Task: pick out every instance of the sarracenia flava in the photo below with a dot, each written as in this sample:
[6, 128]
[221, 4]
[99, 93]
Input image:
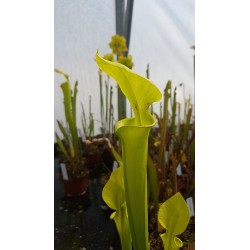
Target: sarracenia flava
[129, 195]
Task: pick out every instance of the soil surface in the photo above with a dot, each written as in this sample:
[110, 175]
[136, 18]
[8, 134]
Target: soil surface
[83, 223]
[80, 223]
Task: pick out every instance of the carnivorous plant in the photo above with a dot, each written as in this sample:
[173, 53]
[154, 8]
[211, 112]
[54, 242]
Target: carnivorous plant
[126, 190]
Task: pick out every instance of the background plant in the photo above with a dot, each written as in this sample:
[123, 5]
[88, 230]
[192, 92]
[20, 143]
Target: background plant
[106, 104]
[174, 142]
[88, 125]
[171, 160]
[141, 93]
[70, 145]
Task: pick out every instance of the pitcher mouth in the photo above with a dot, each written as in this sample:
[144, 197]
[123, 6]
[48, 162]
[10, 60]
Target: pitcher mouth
[130, 122]
[178, 242]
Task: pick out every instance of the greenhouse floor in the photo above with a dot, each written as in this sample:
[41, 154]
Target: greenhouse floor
[80, 223]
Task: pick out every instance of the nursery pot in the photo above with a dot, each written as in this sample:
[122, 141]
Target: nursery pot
[75, 187]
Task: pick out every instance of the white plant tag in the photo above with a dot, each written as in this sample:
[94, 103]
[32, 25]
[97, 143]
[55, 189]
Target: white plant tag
[64, 171]
[190, 206]
[190, 133]
[115, 165]
[166, 156]
[178, 170]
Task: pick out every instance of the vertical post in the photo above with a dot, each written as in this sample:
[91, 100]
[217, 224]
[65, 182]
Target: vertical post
[119, 15]
[119, 7]
[128, 21]
[123, 28]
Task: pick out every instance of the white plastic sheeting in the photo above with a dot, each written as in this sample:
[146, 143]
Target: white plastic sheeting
[161, 35]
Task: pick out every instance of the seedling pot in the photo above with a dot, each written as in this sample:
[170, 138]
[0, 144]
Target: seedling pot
[75, 187]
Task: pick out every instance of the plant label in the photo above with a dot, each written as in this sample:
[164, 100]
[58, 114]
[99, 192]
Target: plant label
[166, 156]
[178, 170]
[190, 206]
[190, 133]
[64, 171]
[115, 165]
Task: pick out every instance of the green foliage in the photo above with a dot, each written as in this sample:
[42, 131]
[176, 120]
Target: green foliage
[153, 182]
[141, 93]
[106, 106]
[88, 125]
[114, 195]
[70, 146]
[176, 137]
[174, 217]
[163, 129]
[127, 187]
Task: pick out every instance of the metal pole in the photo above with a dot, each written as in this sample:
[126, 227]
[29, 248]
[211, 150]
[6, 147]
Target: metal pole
[128, 21]
[119, 7]
[123, 28]
[119, 15]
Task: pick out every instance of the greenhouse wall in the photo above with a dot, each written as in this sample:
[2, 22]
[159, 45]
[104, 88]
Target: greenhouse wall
[162, 35]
